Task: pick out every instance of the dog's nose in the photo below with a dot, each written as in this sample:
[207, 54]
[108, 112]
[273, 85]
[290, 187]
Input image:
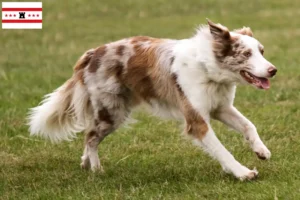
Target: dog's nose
[272, 71]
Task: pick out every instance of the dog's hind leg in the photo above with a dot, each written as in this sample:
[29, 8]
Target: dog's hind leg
[85, 158]
[109, 114]
[93, 138]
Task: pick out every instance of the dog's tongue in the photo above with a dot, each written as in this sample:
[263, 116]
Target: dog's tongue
[264, 83]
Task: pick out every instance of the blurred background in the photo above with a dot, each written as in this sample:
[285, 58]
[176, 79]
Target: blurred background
[151, 160]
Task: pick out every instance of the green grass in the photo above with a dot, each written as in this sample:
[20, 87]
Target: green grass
[151, 160]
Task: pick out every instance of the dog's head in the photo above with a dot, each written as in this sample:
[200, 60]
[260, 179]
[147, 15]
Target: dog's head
[242, 55]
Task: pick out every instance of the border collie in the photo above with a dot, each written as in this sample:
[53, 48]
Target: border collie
[191, 79]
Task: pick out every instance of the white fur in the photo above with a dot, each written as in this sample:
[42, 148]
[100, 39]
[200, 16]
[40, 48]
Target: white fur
[61, 114]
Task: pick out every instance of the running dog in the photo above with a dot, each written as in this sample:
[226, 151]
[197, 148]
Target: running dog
[192, 79]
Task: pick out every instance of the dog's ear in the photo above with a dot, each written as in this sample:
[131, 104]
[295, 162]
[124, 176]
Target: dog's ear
[222, 44]
[218, 31]
[244, 31]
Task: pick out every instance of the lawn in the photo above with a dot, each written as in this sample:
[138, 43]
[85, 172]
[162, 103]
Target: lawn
[150, 160]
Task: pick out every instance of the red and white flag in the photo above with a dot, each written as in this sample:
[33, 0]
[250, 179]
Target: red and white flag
[22, 15]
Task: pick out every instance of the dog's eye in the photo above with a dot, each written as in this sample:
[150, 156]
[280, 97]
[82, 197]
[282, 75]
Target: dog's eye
[262, 51]
[247, 54]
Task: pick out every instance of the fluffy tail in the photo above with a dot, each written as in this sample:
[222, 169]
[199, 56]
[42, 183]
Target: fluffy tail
[67, 110]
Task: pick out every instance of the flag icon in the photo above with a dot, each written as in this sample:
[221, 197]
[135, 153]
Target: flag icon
[22, 15]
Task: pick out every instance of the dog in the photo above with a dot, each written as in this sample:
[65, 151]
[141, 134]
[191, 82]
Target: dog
[190, 79]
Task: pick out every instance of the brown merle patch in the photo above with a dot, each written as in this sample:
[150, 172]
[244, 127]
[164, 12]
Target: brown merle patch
[92, 134]
[104, 116]
[236, 45]
[140, 39]
[224, 48]
[120, 50]
[96, 59]
[116, 69]
[141, 71]
[195, 124]
[77, 77]
[139, 80]
[240, 54]
[83, 62]
[119, 69]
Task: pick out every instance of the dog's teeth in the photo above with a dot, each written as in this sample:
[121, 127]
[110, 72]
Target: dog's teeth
[248, 75]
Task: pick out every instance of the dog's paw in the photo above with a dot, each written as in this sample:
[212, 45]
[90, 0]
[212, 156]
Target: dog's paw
[85, 162]
[241, 172]
[250, 175]
[97, 168]
[262, 151]
[246, 174]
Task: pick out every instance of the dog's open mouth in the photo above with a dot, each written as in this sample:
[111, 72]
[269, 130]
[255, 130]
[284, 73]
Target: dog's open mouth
[259, 82]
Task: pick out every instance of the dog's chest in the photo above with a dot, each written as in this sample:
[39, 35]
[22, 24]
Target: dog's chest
[218, 95]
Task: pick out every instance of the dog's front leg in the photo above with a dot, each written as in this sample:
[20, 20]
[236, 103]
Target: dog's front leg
[199, 129]
[234, 119]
